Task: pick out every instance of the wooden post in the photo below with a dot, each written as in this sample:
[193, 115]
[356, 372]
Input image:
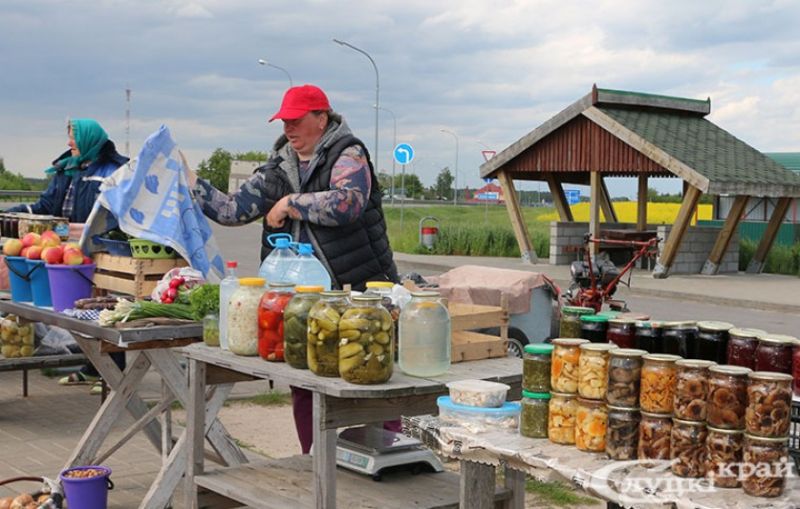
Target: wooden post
[641, 204]
[514, 481]
[477, 485]
[517, 219]
[559, 199]
[673, 243]
[606, 204]
[594, 210]
[711, 266]
[756, 265]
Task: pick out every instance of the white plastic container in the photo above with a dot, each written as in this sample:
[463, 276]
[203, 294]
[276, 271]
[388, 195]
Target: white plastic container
[478, 393]
[479, 419]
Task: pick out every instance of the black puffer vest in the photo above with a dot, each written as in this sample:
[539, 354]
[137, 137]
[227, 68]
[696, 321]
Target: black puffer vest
[353, 253]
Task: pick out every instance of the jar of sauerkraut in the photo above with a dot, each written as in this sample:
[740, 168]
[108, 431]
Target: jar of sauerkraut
[243, 316]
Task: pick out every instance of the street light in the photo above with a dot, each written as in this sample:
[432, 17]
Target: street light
[377, 92]
[455, 177]
[394, 163]
[269, 64]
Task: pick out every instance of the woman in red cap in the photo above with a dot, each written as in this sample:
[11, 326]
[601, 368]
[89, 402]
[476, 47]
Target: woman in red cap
[318, 185]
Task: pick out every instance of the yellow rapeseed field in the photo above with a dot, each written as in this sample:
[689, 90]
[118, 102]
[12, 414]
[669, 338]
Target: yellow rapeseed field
[657, 213]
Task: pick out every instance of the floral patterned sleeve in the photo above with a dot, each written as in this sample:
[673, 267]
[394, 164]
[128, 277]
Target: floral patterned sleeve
[244, 206]
[351, 183]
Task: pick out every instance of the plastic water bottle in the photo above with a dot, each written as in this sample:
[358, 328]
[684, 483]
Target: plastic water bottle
[307, 270]
[227, 286]
[274, 266]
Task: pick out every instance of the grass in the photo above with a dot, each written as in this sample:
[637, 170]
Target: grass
[267, 399]
[556, 493]
[780, 259]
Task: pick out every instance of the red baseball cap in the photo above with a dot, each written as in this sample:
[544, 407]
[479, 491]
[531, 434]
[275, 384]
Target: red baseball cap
[297, 101]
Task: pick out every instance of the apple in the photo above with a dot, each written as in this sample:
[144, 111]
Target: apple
[50, 238]
[52, 254]
[31, 239]
[73, 245]
[87, 260]
[24, 252]
[72, 256]
[12, 247]
[34, 253]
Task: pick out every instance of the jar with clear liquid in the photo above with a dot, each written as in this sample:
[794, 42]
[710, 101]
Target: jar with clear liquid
[424, 336]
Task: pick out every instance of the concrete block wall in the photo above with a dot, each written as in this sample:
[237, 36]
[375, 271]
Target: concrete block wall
[565, 236]
[695, 248]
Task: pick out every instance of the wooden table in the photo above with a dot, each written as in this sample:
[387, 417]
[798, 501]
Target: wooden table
[336, 404]
[151, 347]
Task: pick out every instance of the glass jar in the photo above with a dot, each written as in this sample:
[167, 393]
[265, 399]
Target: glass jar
[648, 337]
[622, 437]
[691, 389]
[17, 338]
[534, 422]
[687, 446]
[624, 376]
[680, 338]
[622, 332]
[658, 383]
[727, 396]
[424, 332]
[593, 370]
[796, 370]
[243, 316]
[564, 369]
[594, 328]
[384, 290]
[536, 367]
[742, 344]
[712, 341]
[323, 332]
[295, 325]
[366, 342]
[270, 320]
[724, 454]
[774, 353]
[570, 326]
[211, 329]
[769, 402]
[654, 436]
[766, 465]
[561, 418]
[591, 424]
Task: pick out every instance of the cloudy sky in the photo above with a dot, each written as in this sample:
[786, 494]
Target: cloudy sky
[488, 71]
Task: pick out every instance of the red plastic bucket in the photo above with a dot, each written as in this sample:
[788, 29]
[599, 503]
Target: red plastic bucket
[87, 492]
[69, 283]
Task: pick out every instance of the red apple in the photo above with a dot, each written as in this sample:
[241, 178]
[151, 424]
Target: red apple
[34, 253]
[87, 260]
[52, 254]
[31, 239]
[50, 238]
[24, 252]
[72, 256]
[12, 247]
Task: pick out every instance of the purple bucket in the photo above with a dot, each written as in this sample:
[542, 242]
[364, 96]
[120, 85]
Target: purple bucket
[69, 283]
[19, 279]
[40, 283]
[87, 492]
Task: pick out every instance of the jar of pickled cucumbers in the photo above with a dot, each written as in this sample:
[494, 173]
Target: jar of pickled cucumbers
[366, 342]
[323, 332]
[295, 325]
[561, 418]
[270, 320]
[591, 424]
[243, 316]
[564, 366]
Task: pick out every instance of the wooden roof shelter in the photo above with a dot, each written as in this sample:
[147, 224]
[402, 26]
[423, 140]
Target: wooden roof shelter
[612, 133]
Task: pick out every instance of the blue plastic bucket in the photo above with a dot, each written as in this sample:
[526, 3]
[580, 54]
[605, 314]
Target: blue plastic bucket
[19, 279]
[40, 283]
[86, 492]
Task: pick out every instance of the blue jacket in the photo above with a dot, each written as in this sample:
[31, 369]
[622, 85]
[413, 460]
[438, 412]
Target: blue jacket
[88, 182]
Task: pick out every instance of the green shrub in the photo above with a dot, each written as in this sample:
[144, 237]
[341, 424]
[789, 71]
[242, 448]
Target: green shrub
[780, 259]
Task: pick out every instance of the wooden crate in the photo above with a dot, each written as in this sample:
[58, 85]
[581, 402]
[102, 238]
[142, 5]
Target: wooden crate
[467, 345]
[473, 346]
[131, 276]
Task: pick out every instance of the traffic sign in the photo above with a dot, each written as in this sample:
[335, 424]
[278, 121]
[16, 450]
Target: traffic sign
[573, 196]
[488, 154]
[488, 180]
[403, 153]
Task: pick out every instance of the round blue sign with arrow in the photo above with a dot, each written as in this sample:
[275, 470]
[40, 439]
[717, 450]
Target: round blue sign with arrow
[403, 153]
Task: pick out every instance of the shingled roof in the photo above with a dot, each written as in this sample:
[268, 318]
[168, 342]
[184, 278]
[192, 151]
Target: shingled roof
[671, 131]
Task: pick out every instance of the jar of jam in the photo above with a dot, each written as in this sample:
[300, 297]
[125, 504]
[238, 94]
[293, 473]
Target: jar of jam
[727, 396]
[654, 436]
[593, 370]
[742, 345]
[766, 462]
[564, 368]
[622, 436]
[323, 332]
[366, 342]
[712, 341]
[658, 383]
[687, 447]
[774, 353]
[536, 367]
[769, 402]
[570, 326]
[591, 423]
[594, 328]
[691, 390]
[624, 376]
[561, 418]
[270, 320]
[724, 455]
[622, 332]
[533, 423]
[648, 336]
[679, 338]
[295, 325]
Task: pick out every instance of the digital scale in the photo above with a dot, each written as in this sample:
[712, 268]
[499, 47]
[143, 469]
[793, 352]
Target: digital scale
[371, 450]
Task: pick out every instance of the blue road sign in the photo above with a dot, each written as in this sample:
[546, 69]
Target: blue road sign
[488, 180]
[403, 153]
[573, 196]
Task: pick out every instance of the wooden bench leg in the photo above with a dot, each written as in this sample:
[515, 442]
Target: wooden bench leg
[477, 485]
[515, 482]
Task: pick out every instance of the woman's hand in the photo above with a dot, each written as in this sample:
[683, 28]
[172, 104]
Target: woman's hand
[279, 212]
[191, 176]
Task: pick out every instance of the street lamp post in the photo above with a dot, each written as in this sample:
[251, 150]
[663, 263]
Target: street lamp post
[270, 64]
[455, 177]
[394, 144]
[377, 93]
